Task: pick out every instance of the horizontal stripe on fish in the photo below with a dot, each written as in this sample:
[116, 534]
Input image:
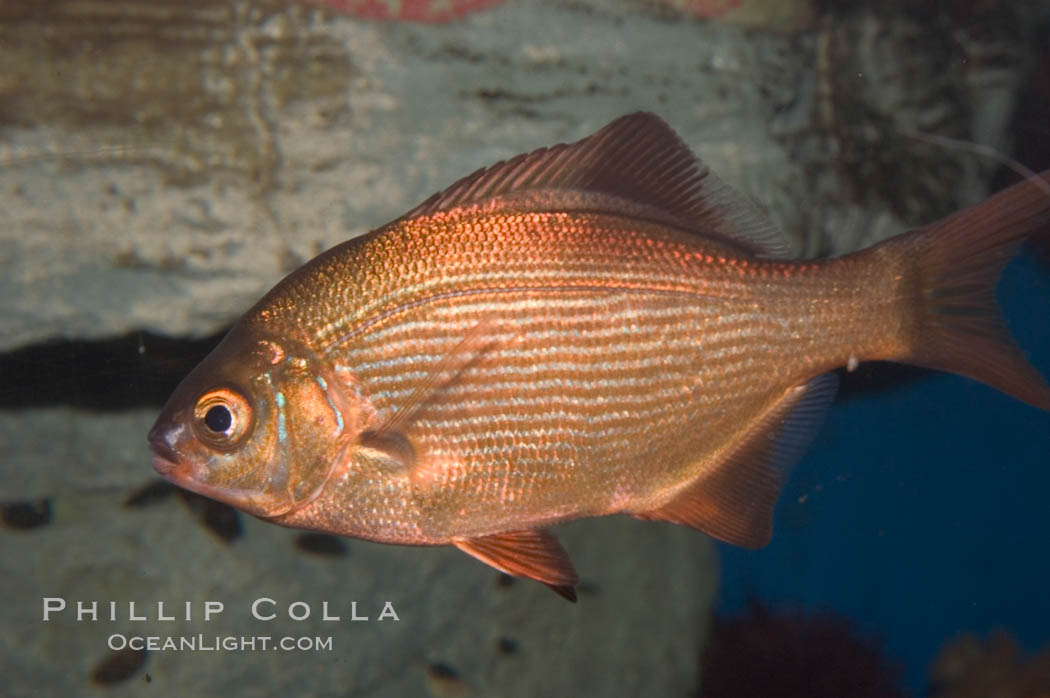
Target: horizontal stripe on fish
[607, 265]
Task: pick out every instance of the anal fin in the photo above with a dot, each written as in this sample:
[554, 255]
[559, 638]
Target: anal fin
[734, 501]
[535, 554]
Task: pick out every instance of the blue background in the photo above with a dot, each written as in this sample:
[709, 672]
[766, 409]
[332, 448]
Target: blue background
[920, 512]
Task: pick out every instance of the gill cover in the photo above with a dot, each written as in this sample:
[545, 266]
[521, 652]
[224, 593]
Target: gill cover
[261, 424]
[310, 427]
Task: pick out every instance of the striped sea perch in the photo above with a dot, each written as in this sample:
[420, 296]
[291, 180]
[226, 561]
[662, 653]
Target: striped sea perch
[589, 329]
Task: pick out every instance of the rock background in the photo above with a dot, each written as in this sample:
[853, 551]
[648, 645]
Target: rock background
[166, 163]
[163, 163]
[638, 624]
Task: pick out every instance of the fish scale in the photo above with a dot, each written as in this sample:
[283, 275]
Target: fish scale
[577, 278]
[595, 328]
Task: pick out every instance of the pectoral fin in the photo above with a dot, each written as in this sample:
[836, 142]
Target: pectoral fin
[474, 344]
[391, 439]
[734, 501]
[535, 554]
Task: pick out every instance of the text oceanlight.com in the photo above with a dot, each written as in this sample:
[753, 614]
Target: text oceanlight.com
[216, 643]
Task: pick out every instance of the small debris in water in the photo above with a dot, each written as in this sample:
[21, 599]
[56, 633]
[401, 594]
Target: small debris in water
[119, 666]
[321, 544]
[507, 645]
[27, 515]
[152, 492]
[442, 681]
[220, 519]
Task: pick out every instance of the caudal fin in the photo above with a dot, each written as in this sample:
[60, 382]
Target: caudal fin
[960, 259]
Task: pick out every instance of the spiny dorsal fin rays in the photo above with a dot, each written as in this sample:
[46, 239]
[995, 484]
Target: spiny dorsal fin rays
[734, 501]
[636, 166]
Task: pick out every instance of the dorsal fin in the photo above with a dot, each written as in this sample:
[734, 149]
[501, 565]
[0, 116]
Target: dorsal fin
[636, 166]
[734, 502]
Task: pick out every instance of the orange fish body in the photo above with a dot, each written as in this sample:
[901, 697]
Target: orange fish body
[590, 329]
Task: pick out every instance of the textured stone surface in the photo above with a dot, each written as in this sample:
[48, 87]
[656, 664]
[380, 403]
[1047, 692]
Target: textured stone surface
[175, 159]
[62, 451]
[638, 626]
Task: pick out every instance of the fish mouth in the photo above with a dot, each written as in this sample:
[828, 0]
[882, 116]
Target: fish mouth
[163, 466]
[183, 473]
[165, 459]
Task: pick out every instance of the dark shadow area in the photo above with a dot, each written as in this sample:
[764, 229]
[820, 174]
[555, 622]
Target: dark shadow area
[778, 653]
[141, 370]
[135, 370]
[1029, 131]
[1029, 125]
[877, 377]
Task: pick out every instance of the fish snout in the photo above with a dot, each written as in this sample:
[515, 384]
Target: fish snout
[161, 442]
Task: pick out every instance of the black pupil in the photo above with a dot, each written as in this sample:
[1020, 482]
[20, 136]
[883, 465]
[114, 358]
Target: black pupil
[218, 418]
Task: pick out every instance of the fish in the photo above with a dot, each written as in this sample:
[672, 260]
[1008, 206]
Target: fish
[595, 328]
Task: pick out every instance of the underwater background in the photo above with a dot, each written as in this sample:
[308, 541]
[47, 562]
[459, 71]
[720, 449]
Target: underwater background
[162, 164]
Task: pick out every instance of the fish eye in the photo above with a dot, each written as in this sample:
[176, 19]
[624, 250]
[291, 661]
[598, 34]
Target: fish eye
[222, 418]
[218, 418]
